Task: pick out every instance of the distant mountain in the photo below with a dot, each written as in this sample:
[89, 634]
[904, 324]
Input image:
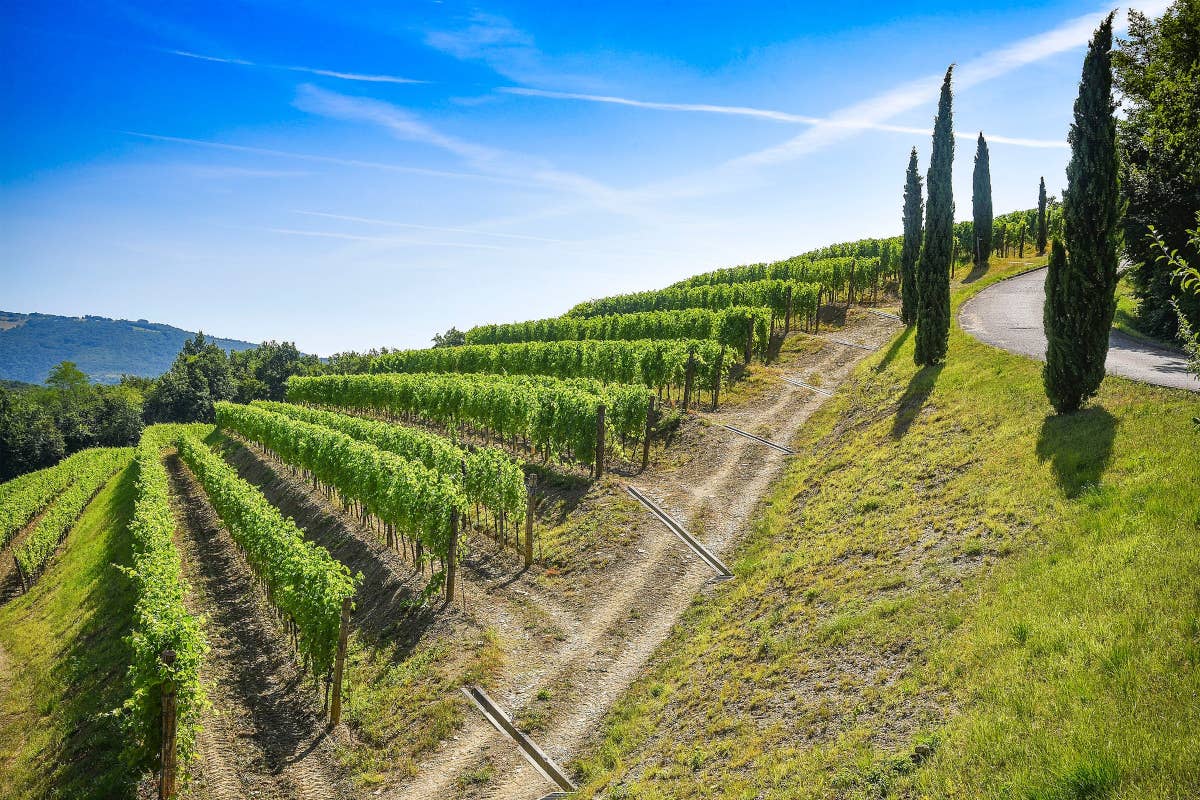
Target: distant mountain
[30, 344]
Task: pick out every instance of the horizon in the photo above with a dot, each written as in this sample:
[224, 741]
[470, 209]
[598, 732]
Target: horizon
[361, 179]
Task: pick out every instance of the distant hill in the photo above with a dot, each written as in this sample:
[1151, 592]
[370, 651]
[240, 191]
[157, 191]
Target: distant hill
[30, 344]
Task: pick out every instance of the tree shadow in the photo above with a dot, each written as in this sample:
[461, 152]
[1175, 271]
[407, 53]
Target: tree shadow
[1078, 447]
[914, 397]
[976, 273]
[894, 349]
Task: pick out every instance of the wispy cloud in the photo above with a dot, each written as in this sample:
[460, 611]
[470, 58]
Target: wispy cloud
[764, 113]
[322, 159]
[438, 228]
[399, 122]
[875, 111]
[328, 73]
[507, 50]
[384, 240]
[518, 167]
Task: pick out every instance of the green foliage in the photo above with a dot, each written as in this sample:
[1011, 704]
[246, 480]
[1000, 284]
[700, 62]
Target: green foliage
[199, 377]
[302, 579]
[933, 272]
[261, 373]
[716, 295]
[1082, 279]
[1157, 71]
[981, 202]
[1041, 217]
[406, 494]
[910, 253]
[451, 338]
[161, 621]
[488, 476]
[690, 323]
[556, 416]
[87, 478]
[855, 271]
[24, 497]
[656, 363]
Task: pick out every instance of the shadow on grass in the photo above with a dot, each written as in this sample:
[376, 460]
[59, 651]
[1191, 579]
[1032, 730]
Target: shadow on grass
[890, 355]
[1078, 447]
[914, 397]
[975, 274]
[92, 665]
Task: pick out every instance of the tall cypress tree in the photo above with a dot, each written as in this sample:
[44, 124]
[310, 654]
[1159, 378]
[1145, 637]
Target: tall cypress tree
[910, 252]
[981, 202]
[933, 272]
[1081, 282]
[1041, 218]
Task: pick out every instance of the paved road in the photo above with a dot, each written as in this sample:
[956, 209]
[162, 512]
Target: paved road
[1008, 315]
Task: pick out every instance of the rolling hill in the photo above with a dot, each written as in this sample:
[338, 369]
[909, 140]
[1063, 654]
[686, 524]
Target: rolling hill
[106, 349]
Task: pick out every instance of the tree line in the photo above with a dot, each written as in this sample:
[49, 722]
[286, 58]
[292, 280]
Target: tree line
[1121, 195]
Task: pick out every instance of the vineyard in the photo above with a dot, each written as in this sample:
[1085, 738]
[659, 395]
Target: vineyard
[418, 454]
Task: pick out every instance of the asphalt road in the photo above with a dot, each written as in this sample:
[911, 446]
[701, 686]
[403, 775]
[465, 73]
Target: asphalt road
[1008, 315]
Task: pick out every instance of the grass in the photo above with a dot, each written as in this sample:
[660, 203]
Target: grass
[1126, 317]
[952, 593]
[401, 704]
[64, 662]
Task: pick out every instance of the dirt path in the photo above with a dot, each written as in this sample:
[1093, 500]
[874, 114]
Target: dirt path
[713, 487]
[263, 736]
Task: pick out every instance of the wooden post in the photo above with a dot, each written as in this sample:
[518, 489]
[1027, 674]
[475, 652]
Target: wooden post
[168, 776]
[529, 485]
[749, 341]
[646, 437]
[600, 440]
[850, 283]
[717, 377]
[817, 316]
[687, 382]
[452, 556]
[339, 664]
[787, 317]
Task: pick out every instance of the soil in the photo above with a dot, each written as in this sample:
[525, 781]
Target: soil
[710, 480]
[264, 736]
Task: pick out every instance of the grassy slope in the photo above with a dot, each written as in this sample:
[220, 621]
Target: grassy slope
[64, 662]
[952, 593]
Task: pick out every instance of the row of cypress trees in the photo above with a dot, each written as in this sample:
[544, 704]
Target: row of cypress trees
[1082, 275]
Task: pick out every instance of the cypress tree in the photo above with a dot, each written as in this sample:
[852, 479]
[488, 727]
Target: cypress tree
[933, 272]
[1041, 218]
[910, 251]
[1082, 278]
[981, 202]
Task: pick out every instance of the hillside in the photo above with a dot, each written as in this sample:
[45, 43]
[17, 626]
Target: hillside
[105, 349]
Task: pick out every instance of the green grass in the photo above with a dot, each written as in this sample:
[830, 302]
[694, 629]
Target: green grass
[401, 702]
[65, 662]
[1126, 317]
[952, 593]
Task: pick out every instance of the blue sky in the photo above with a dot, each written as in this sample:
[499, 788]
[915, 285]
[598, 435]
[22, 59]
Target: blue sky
[358, 175]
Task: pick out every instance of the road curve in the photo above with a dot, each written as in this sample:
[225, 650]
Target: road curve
[1008, 315]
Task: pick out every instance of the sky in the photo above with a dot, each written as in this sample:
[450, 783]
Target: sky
[357, 175]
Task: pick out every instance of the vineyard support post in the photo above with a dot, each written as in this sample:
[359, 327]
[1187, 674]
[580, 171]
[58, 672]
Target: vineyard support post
[452, 556]
[600, 440]
[646, 437]
[690, 374]
[168, 776]
[787, 316]
[817, 314]
[529, 485]
[339, 664]
[850, 284]
[750, 340]
[716, 389]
